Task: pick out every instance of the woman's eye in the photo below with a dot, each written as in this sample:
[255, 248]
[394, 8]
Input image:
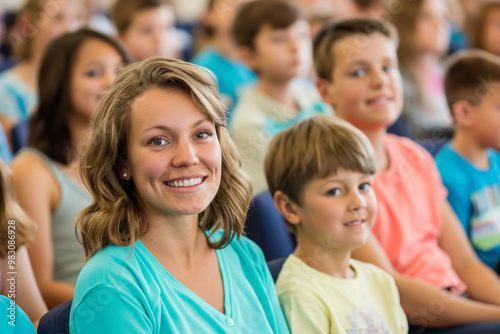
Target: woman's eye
[203, 134]
[157, 141]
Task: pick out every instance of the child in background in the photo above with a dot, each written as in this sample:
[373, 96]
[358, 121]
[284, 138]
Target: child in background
[320, 173]
[424, 39]
[274, 41]
[76, 70]
[470, 163]
[416, 236]
[486, 35]
[38, 23]
[146, 28]
[15, 222]
[219, 52]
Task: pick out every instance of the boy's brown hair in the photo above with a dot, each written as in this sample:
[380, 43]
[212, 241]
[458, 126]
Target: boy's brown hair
[471, 75]
[124, 11]
[331, 33]
[312, 149]
[254, 15]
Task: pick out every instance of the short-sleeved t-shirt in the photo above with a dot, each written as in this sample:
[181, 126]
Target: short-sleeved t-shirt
[474, 195]
[408, 224]
[314, 302]
[120, 291]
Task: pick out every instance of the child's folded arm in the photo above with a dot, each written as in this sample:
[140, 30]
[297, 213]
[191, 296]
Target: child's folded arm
[418, 298]
[482, 283]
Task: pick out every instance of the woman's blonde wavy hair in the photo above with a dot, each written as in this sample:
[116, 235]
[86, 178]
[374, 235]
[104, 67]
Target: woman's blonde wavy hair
[11, 214]
[116, 214]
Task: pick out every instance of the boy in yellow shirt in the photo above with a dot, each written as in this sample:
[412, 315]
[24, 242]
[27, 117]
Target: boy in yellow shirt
[320, 173]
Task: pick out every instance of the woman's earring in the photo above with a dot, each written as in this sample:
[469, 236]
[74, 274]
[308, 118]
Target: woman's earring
[125, 175]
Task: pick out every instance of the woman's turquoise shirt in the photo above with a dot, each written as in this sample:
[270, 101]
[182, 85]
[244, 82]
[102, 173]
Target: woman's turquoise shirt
[116, 293]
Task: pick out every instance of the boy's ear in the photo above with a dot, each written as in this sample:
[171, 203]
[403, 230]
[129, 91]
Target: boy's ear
[324, 89]
[286, 207]
[462, 112]
[248, 56]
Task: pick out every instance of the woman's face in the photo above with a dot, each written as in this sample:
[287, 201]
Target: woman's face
[174, 155]
[96, 66]
[432, 30]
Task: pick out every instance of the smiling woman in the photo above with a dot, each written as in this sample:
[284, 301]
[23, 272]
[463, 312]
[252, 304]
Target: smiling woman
[163, 234]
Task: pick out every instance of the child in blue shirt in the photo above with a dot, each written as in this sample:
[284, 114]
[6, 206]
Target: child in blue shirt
[470, 163]
[219, 53]
[163, 235]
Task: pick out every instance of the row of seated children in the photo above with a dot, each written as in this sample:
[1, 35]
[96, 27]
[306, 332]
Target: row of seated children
[144, 28]
[421, 245]
[219, 50]
[280, 98]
